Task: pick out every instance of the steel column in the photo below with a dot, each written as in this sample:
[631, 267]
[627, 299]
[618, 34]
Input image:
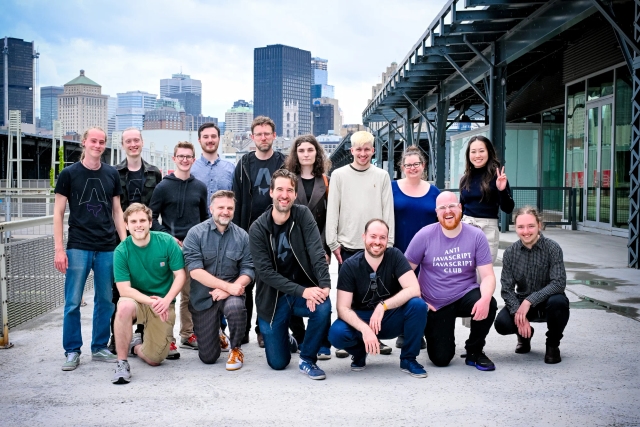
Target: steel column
[498, 116]
[442, 112]
[634, 169]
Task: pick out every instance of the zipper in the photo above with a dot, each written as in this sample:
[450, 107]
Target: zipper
[294, 254]
[275, 266]
[250, 194]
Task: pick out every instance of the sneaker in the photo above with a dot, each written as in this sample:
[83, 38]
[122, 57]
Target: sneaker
[400, 341]
[524, 344]
[260, 341]
[235, 360]
[423, 344]
[191, 342]
[311, 369]
[73, 360]
[122, 374]
[245, 339]
[384, 349]
[224, 341]
[551, 356]
[104, 355]
[358, 364]
[135, 340]
[413, 368]
[341, 354]
[324, 353]
[480, 361]
[293, 344]
[112, 344]
[173, 352]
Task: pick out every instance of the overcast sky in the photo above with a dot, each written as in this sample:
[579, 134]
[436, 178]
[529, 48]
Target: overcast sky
[131, 45]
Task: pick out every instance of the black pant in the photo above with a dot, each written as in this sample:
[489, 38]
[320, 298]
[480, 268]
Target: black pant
[346, 254]
[439, 332]
[554, 310]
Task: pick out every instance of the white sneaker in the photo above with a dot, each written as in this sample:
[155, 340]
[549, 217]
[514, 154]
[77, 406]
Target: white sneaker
[235, 360]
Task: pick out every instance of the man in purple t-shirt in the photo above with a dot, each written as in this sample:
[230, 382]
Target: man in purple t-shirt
[448, 254]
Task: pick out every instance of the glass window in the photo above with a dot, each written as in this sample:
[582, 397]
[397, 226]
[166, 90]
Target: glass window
[600, 85]
[622, 143]
[574, 167]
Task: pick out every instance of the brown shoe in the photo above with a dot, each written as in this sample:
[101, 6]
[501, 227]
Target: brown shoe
[260, 341]
[552, 355]
[235, 360]
[524, 344]
[245, 339]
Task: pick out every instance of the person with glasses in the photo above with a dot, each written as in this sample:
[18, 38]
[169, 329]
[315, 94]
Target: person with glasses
[484, 190]
[181, 201]
[414, 204]
[251, 181]
[379, 298]
[450, 254]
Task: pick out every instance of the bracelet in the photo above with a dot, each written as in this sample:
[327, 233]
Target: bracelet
[384, 305]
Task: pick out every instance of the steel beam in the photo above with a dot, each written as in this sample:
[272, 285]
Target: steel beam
[442, 114]
[466, 78]
[498, 119]
[608, 15]
[634, 168]
[490, 14]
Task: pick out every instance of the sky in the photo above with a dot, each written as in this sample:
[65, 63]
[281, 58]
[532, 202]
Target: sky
[131, 45]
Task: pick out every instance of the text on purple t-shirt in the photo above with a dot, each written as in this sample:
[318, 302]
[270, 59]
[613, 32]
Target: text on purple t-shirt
[447, 265]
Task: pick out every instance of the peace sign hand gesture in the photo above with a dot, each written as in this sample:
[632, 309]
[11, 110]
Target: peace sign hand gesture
[501, 180]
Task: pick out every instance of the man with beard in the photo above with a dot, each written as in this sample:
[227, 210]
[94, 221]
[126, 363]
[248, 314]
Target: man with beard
[449, 253]
[213, 171]
[379, 298]
[251, 183]
[292, 276]
[217, 256]
[149, 273]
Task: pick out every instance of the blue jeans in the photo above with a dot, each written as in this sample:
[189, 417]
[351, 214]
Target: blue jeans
[80, 264]
[409, 319]
[276, 333]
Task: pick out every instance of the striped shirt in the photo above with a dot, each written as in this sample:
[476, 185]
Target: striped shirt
[532, 274]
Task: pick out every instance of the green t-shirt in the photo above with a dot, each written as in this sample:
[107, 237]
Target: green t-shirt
[149, 269]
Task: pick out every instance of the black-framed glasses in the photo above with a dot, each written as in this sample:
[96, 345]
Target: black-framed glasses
[265, 134]
[182, 157]
[412, 165]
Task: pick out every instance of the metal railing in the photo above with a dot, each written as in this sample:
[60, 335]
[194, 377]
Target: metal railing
[29, 283]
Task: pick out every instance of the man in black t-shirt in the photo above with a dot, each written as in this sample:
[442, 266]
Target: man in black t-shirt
[379, 298]
[251, 182]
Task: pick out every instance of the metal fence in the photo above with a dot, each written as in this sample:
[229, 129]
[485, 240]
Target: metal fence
[29, 205]
[29, 283]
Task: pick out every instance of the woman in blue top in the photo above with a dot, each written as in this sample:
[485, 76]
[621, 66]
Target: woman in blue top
[414, 204]
[484, 190]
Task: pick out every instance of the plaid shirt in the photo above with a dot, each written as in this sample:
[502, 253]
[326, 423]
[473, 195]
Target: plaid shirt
[533, 274]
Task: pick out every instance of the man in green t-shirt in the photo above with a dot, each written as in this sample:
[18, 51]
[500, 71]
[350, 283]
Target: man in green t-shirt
[149, 272]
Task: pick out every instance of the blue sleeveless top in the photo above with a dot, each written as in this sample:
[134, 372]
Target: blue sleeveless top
[412, 213]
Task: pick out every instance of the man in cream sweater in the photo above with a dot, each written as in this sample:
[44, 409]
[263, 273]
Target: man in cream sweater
[357, 193]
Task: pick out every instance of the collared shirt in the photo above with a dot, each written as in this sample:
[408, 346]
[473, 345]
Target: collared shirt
[223, 255]
[532, 274]
[216, 176]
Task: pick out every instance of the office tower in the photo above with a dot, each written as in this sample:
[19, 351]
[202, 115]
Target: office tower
[132, 106]
[320, 88]
[49, 105]
[242, 103]
[164, 118]
[112, 108]
[238, 119]
[327, 117]
[185, 89]
[194, 122]
[82, 105]
[282, 81]
[17, 87]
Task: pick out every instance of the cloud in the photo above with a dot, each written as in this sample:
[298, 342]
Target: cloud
[131, 45]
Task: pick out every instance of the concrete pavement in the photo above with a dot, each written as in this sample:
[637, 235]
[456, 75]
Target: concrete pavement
[597, 383]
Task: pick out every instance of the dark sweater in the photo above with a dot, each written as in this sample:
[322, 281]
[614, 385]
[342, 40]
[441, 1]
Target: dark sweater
[181, 204]
[473, 204]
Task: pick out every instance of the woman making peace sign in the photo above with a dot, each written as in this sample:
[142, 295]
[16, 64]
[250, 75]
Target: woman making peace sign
[484, 189]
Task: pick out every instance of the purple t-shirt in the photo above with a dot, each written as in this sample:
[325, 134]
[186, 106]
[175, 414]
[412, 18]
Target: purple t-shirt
[447, 266]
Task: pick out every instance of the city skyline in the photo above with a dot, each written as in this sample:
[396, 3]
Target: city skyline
[127, 50]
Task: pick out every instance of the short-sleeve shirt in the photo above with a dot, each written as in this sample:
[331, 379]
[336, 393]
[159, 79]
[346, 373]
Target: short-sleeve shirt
[149, 269]
[261, 171]
[90, 195]
[356, 277]
[448, 265]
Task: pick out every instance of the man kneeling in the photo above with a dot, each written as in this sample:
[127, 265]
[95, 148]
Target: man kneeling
[379, 298]
[149, 273]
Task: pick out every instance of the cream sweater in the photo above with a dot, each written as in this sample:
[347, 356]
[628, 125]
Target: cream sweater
[354, 198]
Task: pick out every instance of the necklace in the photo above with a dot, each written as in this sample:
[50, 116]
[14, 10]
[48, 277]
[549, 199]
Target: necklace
[90, 168]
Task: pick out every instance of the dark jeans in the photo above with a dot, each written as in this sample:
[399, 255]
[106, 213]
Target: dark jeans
[554, 310]
[276, 333]
[441, 345]
[296, 324]
[408, 319]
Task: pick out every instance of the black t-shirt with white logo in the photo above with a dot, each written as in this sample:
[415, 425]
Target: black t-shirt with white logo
[135, 185]
[286, 262]
[261, 171]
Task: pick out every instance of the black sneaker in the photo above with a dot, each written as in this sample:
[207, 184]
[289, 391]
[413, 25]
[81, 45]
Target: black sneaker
[384, 349]
[480, 361]
[400, 341]
[112, 344]
[358, 364]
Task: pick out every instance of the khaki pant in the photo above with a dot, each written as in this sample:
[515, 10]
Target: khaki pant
[489, 226]
[186, 322]
[157, 334]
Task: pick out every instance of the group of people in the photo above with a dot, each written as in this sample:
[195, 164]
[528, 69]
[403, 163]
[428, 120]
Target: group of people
[411, 258]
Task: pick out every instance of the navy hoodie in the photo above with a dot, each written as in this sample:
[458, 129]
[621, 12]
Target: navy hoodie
[181, 204]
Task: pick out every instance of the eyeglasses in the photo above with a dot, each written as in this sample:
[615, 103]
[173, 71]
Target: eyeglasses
[450, 206]
[183, 157]
[265, 134]
[412, 165]
[376, 287]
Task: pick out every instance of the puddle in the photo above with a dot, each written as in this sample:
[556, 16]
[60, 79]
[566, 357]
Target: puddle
[571, 265]
[595, 281]
[632, 300]
[585, 304]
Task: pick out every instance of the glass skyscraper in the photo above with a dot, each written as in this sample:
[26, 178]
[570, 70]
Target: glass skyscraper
[19, 57]
[282, 88]
[49, 105]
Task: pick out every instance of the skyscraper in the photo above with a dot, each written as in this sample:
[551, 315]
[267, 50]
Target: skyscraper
[320, 87]
[185, 89]
[238, 119]
[132, 106]
[49, 105]
[82, 105]
[282, 81]
[17, 87]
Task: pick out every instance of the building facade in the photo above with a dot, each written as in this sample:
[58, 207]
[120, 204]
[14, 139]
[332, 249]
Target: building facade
[132, 106]
[17, 89]
[82, 105]
[282, 79]
[194, 122]
[322, 119]
[238, 119]
[49, 105]
[185, 89]
[164, 118]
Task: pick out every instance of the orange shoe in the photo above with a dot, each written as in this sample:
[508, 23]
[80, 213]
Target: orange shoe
[225, 345]
[235, 360]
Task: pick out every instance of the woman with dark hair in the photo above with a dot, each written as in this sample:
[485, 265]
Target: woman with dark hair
[484, 190]
[308, 161]
[414, 204]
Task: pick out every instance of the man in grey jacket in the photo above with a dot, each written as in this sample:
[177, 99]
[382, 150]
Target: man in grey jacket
[292, 276]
